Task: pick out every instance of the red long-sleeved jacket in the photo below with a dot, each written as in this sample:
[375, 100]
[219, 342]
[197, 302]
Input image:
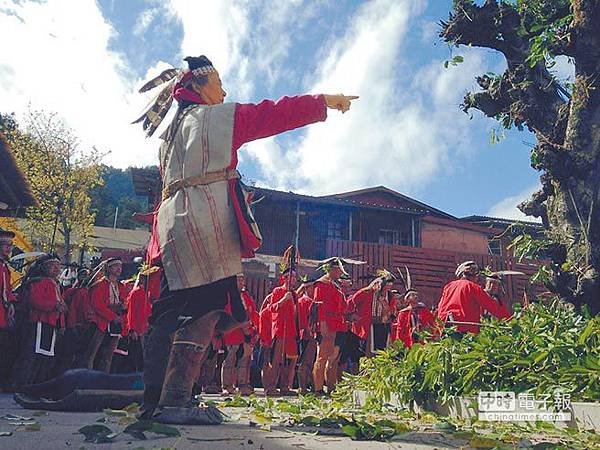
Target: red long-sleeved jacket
[466, 301]
[331, 304]
[99, 299]
[138, 310]
[283, 315]
[305, 305]
[402, 328]
[42, 297]
[360, 305]
[236, 337]
[79, 306]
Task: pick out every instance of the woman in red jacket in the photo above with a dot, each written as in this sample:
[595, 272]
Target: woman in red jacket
[41, 293]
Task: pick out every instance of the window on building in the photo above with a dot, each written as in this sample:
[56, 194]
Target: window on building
[495, 247]
[334, 230]
[395, 237]
[390, 237]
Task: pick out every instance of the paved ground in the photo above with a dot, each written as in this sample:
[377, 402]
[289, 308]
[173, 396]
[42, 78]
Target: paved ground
[59, 431]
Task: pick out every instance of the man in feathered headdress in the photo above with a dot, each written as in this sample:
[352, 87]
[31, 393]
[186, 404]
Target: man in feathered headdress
[371, 311]
[204, 224]
[464, 301]
[331, 307]
[107, 299]
[414, 318]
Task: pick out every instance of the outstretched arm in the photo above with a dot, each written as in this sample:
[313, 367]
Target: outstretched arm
[269, 118]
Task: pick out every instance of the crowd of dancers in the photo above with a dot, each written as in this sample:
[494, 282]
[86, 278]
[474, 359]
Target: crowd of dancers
[300, 338]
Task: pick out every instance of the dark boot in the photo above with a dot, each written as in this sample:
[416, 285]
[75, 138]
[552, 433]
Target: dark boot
[189, 349]
[157, 346]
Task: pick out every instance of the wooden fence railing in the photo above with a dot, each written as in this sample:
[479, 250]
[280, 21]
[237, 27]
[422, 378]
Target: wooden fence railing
[431, 269]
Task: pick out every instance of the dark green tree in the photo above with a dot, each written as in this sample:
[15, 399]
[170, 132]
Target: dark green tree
[565, 118]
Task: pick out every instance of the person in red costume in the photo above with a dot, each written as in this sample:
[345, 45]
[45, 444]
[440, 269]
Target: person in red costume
[73, 343]
[204, 224]
[284, 330]
[265, 330]
[307, 322]
[239, 343]
[7, 308]
[463, 300]
[413, 319]
[331, 307]
[41, 292]
[371, 306]
[107, 298]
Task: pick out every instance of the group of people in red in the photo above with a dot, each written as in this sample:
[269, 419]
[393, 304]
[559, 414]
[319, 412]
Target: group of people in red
[305, 333]
[311, 331]
[46, 329]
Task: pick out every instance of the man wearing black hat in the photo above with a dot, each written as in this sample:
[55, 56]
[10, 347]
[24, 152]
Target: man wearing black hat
[7, 309]
[204, 225]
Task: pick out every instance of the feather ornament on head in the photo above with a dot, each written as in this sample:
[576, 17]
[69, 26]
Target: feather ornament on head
[337, 261]
[156, 110]
[468, 267]
[406, 281]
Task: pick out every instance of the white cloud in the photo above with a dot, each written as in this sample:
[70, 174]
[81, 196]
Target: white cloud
[399, 133]
[60, 61]
[507, 208]
[144, 20]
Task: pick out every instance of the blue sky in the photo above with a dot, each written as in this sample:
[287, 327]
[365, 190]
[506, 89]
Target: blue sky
[405, 132]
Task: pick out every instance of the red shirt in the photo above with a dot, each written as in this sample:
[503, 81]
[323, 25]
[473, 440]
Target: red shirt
[79, 306]
[236, 337]
[283, 319]
[138, 310]
[360, 304]
[100, 300]
[42, 297]
[6, 293]
[403, 327]
[331, 304]
[305, 305]
[466, 301]
[265, 327]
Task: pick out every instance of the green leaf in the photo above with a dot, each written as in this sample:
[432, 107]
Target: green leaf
[311, 421]
[34, 427]
[165, 430]
[115, 412]
[353, 431]
[93, 432]
[484, 442]
[444, 426]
